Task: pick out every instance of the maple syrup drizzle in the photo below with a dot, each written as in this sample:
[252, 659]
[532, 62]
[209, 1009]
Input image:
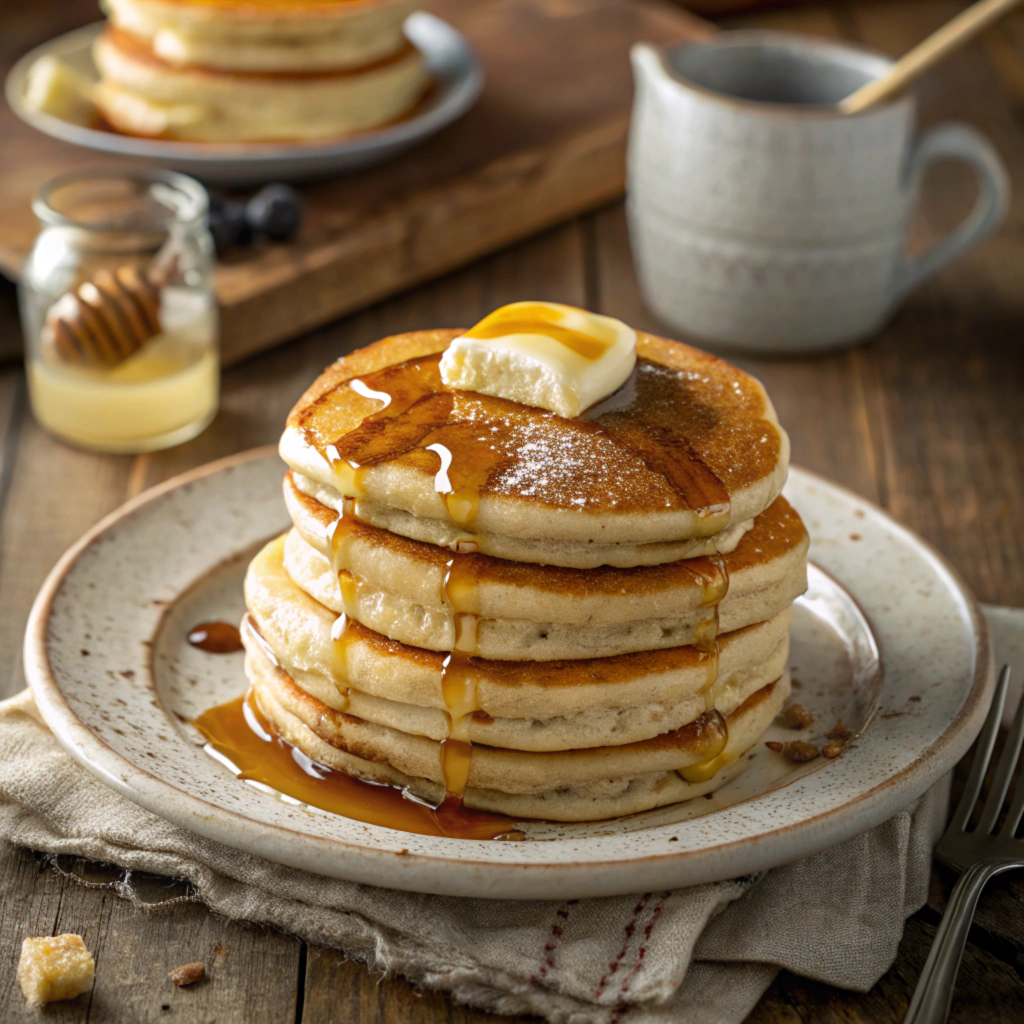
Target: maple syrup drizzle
[458, 677]
[458, 680]
[340, 534]
[469, 433]
[705, 770]
[238, 732]
[341, 640]
[215, 637]
[458, 688]
[714, 577]
[459, 592]
[537, 318]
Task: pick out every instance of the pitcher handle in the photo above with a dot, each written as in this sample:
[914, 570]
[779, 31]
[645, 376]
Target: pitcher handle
[952, 141]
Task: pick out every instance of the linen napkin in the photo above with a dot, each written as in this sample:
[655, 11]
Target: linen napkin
[703, 954]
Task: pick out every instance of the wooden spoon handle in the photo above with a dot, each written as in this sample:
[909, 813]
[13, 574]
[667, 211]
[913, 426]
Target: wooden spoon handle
[927, 54]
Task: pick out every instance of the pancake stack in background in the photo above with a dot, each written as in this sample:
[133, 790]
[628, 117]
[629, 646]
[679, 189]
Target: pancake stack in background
[554, 618]
[256, 70]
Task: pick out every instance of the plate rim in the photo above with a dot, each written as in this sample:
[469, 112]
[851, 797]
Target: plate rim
[589, 878]
[463, 92]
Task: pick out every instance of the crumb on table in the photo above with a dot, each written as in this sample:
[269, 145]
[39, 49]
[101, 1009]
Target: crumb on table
[55, 967]
[188, 974]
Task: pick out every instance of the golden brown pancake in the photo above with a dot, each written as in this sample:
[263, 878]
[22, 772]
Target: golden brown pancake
[430, 598]
[262, 36]
[141, 93]
[518, 704]
[689, 447]
[560, 786]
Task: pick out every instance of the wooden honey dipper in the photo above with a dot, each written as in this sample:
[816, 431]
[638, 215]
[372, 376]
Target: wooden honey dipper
[106, 319]
[110, 317]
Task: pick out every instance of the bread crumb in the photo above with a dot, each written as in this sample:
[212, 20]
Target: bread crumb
[188, 974]
[796, 716]
[55, 967]
[832, 750]
[797, 750]
[839, 732]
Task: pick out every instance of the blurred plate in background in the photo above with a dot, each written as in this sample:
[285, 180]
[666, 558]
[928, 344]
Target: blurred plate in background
[448, 56]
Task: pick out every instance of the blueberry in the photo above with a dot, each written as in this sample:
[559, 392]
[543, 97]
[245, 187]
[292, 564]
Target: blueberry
[275, 212]
[228, 224]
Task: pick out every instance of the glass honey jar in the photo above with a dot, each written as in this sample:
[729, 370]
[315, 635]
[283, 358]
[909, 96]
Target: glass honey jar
[119, 312]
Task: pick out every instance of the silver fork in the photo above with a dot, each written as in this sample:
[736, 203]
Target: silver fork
[979, 855]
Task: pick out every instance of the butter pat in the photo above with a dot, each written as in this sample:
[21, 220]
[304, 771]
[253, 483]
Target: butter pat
[55, 967]
[542, 354]
[54, 87]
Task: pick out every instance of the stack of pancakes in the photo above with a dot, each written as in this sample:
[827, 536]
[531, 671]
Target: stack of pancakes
[256, 70]
[566, 619]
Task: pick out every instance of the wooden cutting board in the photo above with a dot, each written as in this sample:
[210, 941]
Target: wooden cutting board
[545, 142]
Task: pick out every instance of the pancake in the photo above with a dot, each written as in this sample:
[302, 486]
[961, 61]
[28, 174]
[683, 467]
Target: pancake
[141, 94]
[418, 572]
[568, 554]
[601, 727]
[274, 36]
[511, 611]
[573, 785]
[689, 447]
[565, 553]
[521, 705]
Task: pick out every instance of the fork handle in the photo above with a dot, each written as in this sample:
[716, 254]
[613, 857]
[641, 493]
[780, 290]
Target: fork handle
[934, 991]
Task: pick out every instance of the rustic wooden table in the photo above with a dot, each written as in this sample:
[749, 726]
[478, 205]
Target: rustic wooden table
[926, 421]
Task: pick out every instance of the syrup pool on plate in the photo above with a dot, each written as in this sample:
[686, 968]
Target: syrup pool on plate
[216, 637]
[239, 735]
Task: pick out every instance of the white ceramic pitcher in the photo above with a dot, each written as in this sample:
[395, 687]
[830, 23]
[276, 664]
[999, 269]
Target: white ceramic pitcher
[762, 219]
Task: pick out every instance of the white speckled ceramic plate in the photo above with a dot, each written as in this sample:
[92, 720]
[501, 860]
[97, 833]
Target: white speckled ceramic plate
[449, 58]
[886, 638]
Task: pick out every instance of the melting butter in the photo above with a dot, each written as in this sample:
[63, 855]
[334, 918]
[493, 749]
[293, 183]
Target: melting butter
[543, 354]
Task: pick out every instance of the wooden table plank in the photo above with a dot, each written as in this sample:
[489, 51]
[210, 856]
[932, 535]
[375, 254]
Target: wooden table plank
[29, 904]
[252, 972]
[949, 371]
[339, 990]
[989, 991]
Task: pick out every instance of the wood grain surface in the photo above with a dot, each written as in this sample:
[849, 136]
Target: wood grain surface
[545, 141]
[926, 420]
